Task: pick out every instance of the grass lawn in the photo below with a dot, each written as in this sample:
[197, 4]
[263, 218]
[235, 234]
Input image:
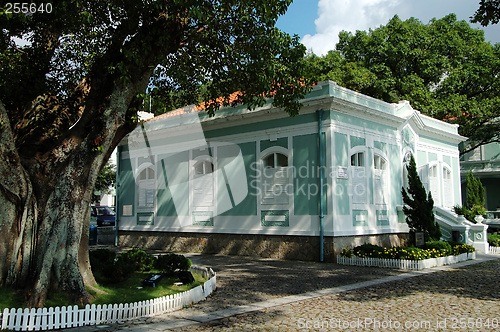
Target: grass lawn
[128, 291]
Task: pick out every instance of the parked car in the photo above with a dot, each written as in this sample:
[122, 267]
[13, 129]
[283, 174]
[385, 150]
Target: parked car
[104, 214]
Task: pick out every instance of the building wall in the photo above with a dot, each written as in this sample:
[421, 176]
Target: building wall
[162, 192]
[484, 162]
[267, 246]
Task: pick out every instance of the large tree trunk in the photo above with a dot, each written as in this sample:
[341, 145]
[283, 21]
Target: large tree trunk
[52, 152]
[45, 197]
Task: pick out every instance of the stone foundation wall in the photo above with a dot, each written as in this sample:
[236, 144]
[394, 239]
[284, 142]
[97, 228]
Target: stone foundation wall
[265, 246]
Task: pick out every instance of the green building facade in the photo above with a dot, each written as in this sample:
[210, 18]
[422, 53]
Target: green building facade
[263, 183]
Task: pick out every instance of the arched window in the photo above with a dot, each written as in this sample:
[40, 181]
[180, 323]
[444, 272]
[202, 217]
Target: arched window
[380, 180]
[358, 159]
[275, 179]
[202, 184]
[146, 184]
[358, 178]
[275, 160]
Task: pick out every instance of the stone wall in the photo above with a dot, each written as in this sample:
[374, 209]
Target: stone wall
[265, 246]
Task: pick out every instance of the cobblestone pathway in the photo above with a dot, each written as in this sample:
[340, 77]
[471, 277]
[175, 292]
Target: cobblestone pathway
[462, 298]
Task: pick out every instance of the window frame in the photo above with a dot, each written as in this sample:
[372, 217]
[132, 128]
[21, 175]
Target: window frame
[195, 179]
[381, 170]
[144, 185]
[355, 169]
[269, 197]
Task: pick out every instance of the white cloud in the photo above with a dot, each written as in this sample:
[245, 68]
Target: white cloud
[348, 15]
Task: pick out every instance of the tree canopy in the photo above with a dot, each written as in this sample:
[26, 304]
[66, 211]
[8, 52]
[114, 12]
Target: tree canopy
[488, 12]
[444, 68]
[71, 82]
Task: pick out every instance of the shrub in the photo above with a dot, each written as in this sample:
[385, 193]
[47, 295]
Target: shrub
[101, 257]
[433, 249]
[100, 261]
[441, 246]
[107, 269]
[138, 259]
[110, 269]
[494, 240]
[474, 204]
[118, 272]
[462, 249]
[170, 263]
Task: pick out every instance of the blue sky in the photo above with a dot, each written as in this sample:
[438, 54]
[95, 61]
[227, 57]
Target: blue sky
[318, 22]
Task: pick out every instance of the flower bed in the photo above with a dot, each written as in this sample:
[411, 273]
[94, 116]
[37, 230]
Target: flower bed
[405, 264]
[436, 253]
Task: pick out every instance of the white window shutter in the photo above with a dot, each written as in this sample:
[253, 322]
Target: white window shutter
[358, 182]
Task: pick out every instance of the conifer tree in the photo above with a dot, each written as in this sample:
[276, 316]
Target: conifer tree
[475, 202]
[418, 206]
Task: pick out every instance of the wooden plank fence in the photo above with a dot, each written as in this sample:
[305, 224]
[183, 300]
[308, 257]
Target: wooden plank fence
[42, 319]
[405, 264]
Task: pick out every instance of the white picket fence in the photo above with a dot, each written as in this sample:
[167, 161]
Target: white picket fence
[494, 250]
[405, 264]
[71, 316]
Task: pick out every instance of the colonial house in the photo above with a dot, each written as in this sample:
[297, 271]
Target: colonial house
[258, 182]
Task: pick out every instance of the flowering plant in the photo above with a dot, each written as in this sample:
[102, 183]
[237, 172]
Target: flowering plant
[409, 253]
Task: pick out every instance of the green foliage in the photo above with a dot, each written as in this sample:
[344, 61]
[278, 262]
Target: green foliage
[494, 240]
[10, 298]
[475, 191]
[419, 206]
[171, 263]
[443, 246]
[432, 249]
[101, 257]
[488, 12]
[72, 82]
[138, 259]
[444, 68]
[183, 52]
[127, 291]
[462, 249]
[110, 269]
[105, 179]
[459, 210]
[475, 201]
[107, 269]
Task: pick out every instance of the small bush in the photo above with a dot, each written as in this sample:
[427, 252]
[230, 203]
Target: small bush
[433, 249]
[101, 258]
[138, 259]
[494, 240]
[442, 246]
[462, 249]
[170, 263]
[367, 249]
[110, 269]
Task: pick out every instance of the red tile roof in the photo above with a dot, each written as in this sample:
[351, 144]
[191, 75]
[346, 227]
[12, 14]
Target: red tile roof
[233, 97]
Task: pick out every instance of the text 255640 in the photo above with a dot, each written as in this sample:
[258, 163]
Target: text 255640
[27, 8]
